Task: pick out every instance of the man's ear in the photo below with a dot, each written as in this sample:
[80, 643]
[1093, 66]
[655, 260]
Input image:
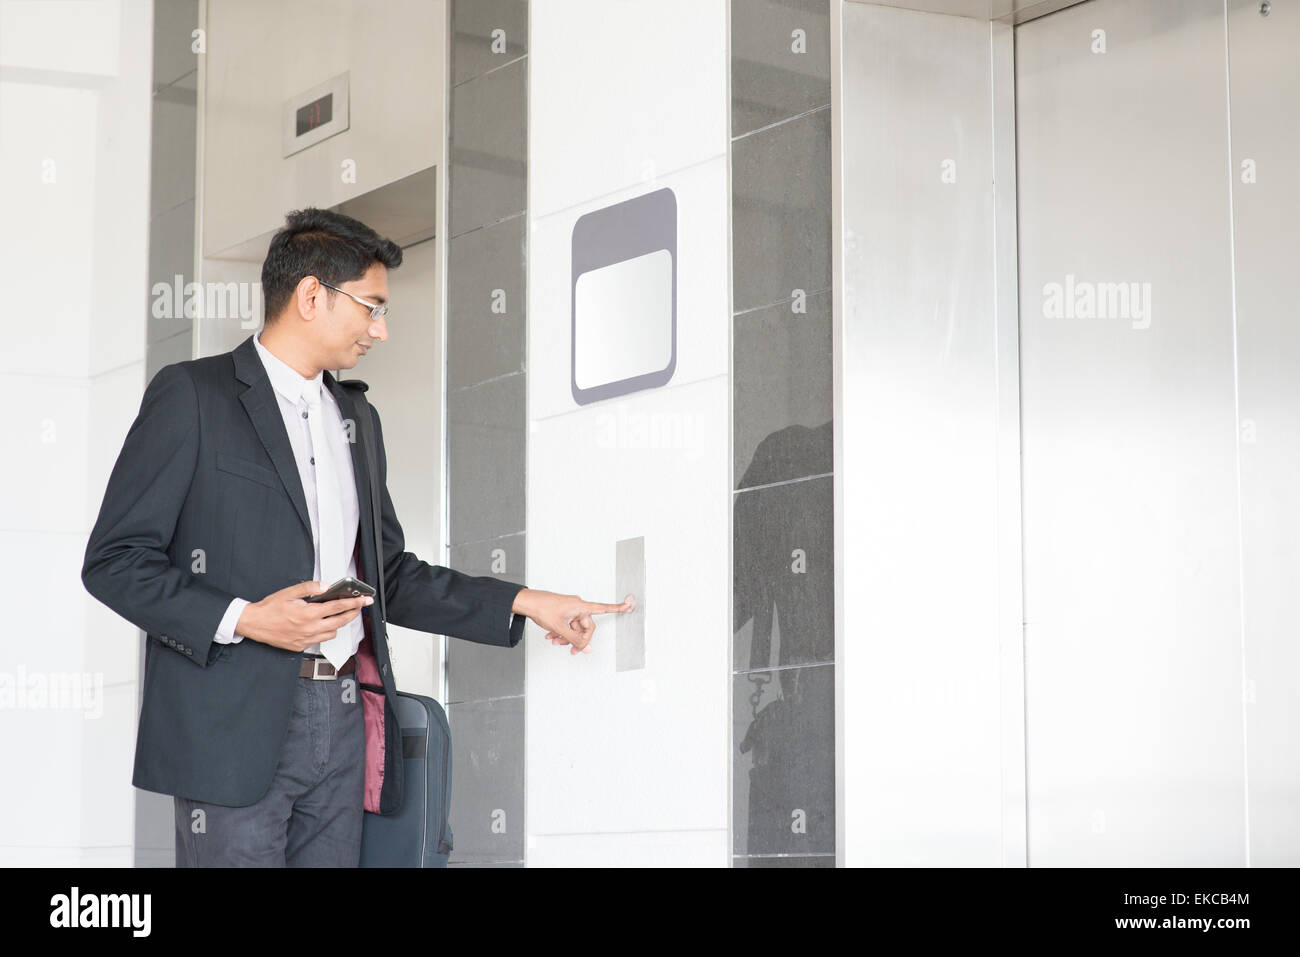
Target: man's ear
[308, 297]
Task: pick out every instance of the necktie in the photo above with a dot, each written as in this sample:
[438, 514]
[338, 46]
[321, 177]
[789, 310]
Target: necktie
[329, 504]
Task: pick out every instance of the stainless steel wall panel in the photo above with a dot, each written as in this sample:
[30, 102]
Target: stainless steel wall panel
[1132, 592]
[1264, 85]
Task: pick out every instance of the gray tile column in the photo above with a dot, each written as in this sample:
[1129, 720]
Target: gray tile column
[171, 254]
[486, 411]
[783, 694]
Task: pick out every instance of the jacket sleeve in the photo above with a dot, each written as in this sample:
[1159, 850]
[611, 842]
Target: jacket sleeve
[126, 564]
[436, 599]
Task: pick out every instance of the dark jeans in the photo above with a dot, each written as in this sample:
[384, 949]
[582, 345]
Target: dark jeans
[311, 816]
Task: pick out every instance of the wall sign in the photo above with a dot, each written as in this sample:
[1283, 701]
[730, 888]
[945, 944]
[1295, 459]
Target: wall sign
[624, 304]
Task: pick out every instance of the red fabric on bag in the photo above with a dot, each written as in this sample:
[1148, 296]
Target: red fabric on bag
[372, 703]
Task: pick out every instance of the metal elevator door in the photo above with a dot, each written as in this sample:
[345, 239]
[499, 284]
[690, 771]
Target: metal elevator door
[1150, 527]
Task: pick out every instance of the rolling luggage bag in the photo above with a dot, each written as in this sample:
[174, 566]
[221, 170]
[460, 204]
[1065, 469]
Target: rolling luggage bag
[418, 834]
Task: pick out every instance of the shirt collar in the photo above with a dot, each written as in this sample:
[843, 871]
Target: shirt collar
[284, 378]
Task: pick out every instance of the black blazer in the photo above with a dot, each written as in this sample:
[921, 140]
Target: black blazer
[205, 504]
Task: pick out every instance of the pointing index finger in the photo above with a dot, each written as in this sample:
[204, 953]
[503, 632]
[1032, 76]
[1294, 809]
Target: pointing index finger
[605, 608]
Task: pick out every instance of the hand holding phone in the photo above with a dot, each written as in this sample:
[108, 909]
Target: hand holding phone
[280, 619]
[346, 587]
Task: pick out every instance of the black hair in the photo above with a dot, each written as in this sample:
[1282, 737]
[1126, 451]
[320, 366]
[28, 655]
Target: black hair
[328, 245]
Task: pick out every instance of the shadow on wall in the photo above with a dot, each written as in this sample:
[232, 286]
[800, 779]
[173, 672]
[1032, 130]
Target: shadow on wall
[784, 611]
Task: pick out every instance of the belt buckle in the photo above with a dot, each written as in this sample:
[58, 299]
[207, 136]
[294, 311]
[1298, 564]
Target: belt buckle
[315, 670]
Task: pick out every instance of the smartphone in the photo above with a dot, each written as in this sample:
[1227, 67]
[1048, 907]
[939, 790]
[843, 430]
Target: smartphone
[343, 588]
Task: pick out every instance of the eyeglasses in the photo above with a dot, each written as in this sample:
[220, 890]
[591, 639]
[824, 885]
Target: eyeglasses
[377, 309]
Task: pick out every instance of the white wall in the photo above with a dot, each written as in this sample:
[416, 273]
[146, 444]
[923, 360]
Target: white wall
[74, 198]
[630, 767]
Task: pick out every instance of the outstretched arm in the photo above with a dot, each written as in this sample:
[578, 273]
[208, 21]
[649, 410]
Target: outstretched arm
[434, 598]
[484, 609]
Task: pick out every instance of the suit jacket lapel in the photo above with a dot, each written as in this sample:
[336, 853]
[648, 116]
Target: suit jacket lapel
[264, 411]
[348, 406]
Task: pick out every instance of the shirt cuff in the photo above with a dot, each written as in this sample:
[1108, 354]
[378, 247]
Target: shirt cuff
[226, 630]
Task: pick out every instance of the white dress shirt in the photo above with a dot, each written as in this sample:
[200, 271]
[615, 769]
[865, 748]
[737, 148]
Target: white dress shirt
[288, 385]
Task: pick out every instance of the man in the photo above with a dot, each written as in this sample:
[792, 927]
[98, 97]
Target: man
[240, 490]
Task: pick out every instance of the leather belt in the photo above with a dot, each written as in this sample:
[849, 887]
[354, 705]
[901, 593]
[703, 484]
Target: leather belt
[320, 668]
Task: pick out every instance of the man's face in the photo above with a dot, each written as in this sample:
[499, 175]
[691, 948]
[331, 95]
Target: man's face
[344, 330]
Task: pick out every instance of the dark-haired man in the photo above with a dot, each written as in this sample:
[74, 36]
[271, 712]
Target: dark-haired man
[240, 491]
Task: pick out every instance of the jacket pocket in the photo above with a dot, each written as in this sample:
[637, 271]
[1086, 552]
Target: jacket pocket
[234, 465]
